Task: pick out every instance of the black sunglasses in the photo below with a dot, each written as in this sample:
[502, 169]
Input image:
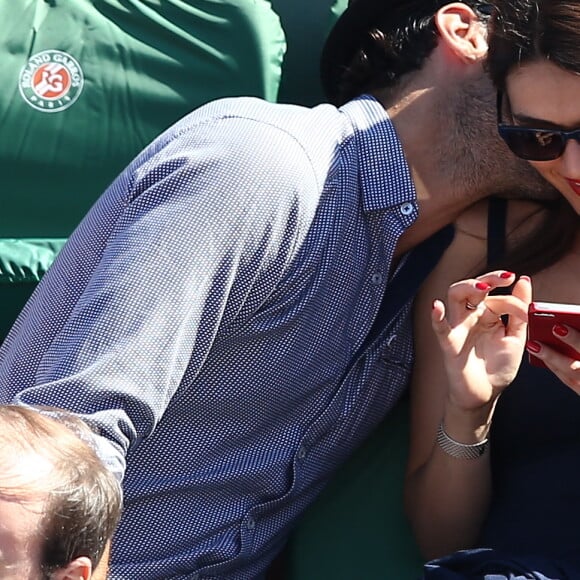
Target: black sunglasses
[533, 144]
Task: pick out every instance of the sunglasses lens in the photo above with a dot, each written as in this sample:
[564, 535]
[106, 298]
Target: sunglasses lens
[532, 144]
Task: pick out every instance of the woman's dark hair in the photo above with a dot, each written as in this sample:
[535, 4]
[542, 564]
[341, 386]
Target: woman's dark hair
[523, 31]
[392, 38]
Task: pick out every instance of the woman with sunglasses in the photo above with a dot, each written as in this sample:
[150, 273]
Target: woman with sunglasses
[495, 480]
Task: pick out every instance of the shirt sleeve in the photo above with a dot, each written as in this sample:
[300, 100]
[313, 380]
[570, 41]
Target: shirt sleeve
[186, 241]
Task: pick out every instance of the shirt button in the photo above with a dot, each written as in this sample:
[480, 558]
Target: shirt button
[407, 208]
[302, 452]
[390, 339]
[250, 523]
[377, 278]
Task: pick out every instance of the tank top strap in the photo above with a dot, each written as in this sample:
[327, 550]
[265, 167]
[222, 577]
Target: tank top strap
[496, 229]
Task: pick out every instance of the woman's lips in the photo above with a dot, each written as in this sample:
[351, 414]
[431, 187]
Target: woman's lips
[574, 185]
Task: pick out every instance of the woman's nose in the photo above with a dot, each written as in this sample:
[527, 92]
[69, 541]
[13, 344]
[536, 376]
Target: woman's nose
[571, 159]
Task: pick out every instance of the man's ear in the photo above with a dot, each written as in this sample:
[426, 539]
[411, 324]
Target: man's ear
[462, 32]
[79, 569]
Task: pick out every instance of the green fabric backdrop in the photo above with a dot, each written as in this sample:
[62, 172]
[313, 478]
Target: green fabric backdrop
[139, 65]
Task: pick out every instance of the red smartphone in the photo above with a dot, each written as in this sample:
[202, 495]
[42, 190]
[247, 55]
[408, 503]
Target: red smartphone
[541, 319]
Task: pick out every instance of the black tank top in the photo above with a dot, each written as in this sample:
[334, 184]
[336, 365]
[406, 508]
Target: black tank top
[535, 454]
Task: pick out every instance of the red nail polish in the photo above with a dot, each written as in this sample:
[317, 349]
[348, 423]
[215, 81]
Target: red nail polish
[483, 286]
[533, 346]
[506, 275]
[559, 330]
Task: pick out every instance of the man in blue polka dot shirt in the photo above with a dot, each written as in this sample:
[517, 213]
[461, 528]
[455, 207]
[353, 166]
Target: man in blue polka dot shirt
[233, 315]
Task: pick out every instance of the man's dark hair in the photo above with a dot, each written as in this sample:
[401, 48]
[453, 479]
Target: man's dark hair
[83, 504]
[524, 31]
[375, 42]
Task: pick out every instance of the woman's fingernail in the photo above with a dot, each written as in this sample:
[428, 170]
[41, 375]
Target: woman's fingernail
[533, 346]
[559, 330]
[483, 286]
[525, 278]
[506, 275]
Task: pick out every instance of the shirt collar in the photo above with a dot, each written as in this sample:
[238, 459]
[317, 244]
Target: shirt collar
[383, 170]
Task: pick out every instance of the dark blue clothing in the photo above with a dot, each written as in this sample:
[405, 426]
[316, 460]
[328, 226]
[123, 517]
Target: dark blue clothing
[535, 443]
[535, 446]
[533, 525]
[487, 564]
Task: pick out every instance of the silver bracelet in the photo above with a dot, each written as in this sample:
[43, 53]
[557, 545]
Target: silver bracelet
[460, 450]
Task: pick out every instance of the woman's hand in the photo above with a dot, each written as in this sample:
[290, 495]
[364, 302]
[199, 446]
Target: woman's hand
[481, 353]
[565, 368]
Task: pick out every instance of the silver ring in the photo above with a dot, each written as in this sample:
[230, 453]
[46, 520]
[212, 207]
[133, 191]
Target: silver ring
[470, 306]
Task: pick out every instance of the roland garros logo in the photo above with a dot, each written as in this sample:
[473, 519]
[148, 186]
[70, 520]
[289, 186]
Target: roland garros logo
[51, 81]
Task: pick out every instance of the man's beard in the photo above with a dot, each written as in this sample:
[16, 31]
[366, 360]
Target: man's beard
[475, 156]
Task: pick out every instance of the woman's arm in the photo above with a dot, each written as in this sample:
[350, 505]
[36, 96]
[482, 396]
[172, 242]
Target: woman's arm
[446, 496]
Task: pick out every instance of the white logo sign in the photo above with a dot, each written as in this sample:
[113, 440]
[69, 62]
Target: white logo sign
[51, 81]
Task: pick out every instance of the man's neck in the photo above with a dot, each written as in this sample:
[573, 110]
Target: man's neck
[440, 194]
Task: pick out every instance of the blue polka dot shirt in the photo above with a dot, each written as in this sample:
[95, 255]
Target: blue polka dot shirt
[210, 317]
